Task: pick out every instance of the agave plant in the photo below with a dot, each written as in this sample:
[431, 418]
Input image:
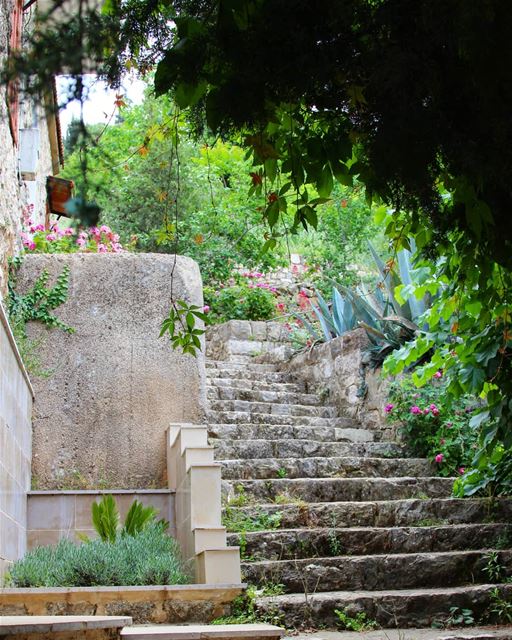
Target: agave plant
[388, 323]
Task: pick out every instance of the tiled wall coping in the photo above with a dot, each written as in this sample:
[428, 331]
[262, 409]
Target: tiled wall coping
[14, 346]
[193, 591]
[99, 492]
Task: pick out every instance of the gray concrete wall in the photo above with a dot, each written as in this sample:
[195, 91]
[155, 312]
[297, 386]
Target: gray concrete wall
[53, 515]
[100, 418]
[15, 448]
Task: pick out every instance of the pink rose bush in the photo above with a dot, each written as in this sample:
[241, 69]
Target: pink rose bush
[434, 425]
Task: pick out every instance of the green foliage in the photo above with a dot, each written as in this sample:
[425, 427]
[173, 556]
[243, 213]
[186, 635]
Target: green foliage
[467, 333]
[244, 608]
[106, 519]
[458, 617]
[494, 569]
[500, 608]
[37, 303]
[181, 326]
[241, 301]
[150, 557]
[237, 521]
[359, 622]
[434, 424]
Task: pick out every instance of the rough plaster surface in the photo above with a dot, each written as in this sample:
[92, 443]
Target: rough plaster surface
[102, 414]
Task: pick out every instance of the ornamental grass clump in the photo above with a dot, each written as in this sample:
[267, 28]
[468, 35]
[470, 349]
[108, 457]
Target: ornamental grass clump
[150, 557]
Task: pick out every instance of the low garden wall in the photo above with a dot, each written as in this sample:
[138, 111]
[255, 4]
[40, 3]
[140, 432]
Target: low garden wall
[15, 448]
[155, 605]
[53, 515]
[268, 341]
[113, 386]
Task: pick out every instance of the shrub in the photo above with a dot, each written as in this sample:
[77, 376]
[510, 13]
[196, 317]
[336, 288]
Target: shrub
[434, 424]
[150, 557]
[244, 301]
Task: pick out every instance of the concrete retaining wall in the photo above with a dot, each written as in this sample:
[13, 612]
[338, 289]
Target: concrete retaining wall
[15, 448]
[101, 417]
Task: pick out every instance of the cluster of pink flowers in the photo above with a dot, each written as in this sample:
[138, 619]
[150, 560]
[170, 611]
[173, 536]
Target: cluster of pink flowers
[389, 407]
[263, 285]
[106, 240]
[433, 409]
[252, 274]
[101, 239]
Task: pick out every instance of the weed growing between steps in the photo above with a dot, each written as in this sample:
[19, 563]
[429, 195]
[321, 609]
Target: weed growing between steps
[149, 558]
[359, 622]
[237, 521]
[244, 609]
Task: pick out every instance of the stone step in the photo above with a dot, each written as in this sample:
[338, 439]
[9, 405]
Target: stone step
[386, 513]
[254, 385]
[202, 632]
[272, 408]
[323, 467]
[346, 433]
[383, 571]
[230, 365]
[503, 632]
[257, 449]
[245, 394]
[346, 489]
[390, 609]
[244, 417]
[291, 544]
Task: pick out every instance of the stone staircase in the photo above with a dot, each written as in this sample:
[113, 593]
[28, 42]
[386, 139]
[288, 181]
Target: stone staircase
[349, 521]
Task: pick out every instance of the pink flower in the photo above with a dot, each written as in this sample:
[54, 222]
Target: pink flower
[102, 248]
[280, 306]
[439, 458]
[39, 227]
[389, 408]
[69, 231]
[461, 470]
[104, 228]
[83, 234]
[95, 232]
[206, 308]
[31, 246]
[416, 410]
[81, 242]
[51, 237]
[449, 424]
[426, 411]
[438, 374]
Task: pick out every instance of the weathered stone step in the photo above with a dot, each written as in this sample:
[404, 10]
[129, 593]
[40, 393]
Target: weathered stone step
[250, 431]
[291, 544]
[254, 385]
[385, 571]
[257, 449]
[243, 417]
[273, 408]
[203, 632]
[347, 489]
[241, 394]
[386, 513]
[391, 609]
[502, 632]
[234, 366]
[323, 467]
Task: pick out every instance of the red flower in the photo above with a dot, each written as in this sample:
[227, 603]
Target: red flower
[256, 178]
[272, 197]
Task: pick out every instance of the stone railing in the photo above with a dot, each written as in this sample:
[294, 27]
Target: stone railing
[196, 478]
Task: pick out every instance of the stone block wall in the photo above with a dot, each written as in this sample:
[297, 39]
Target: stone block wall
[101, 416]
[53, 515]
[15, 448]
[338, 368]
